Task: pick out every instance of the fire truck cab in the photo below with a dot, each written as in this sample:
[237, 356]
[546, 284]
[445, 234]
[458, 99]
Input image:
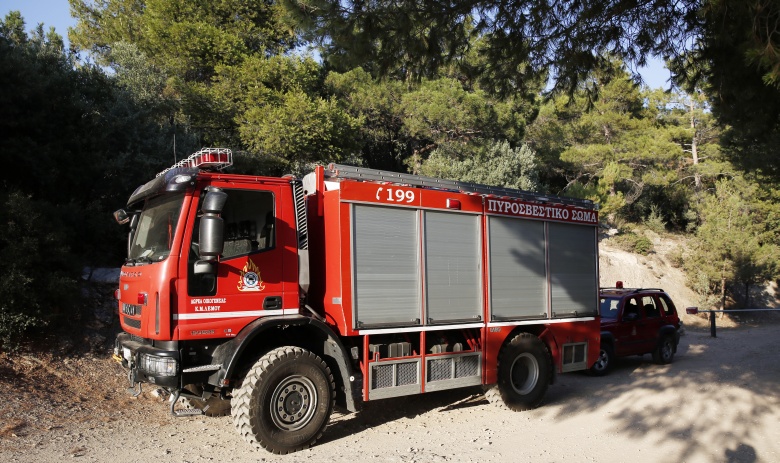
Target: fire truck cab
[276, 299]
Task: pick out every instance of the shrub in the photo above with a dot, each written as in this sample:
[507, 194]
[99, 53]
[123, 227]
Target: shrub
[633, 243]
[676, 258]
[37, 272]
[654, 221]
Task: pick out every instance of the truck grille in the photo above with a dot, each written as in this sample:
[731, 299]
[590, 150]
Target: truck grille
[132, 323]
[440, 369]
[395, 374]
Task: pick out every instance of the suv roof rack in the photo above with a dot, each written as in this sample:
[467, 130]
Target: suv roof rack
[632, 290]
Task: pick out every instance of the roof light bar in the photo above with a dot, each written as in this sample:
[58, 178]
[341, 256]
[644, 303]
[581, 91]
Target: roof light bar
[206, 158]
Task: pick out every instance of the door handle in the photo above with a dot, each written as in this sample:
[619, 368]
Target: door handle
[272, 303]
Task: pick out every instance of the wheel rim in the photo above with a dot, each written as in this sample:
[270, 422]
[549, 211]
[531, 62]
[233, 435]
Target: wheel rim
[524, 373]
[293, 403]
[666, 353]
[601, 363]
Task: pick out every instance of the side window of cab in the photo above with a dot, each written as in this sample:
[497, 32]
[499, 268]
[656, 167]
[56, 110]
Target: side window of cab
[250, 226]
[249, 223]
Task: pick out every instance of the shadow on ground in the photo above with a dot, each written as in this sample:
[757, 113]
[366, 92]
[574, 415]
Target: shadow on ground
[712, 400]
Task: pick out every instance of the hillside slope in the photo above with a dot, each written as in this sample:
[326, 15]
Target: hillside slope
[656, 271]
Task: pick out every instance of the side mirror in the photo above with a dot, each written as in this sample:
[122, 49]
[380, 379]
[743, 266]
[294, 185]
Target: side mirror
[205, 267]
[214, 201]
[133, 218]
[121, 216]
[212, 232]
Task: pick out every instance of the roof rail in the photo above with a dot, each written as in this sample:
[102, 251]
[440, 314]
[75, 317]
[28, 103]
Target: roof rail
[206, 158]
[373, 175]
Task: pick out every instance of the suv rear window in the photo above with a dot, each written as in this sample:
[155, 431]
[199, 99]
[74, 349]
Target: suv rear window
[651, 311]
[667, 307]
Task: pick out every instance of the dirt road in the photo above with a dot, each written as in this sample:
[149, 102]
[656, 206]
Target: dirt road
[718, 401]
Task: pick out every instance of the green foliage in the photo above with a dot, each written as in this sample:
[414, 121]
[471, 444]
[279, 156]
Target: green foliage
[633, 242]
[404, 124]
[734, 243]
[630, 149]
[186, 38]
[37, 277]
[300, 130]
[186, 43]
[378, 105]
[441, 110]
[496, 164]
[74, 139]
[517, 39]
[676, 258]
[729, 48]
[654, 221]
[737, 63]
[447, 89]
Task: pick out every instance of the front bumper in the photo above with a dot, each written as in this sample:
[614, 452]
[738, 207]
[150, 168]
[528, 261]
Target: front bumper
[149, 363]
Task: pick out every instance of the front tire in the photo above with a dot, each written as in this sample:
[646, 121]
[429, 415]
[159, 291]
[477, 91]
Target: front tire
[604, 363]
[664, 353]
[524, 373]
[285, 400]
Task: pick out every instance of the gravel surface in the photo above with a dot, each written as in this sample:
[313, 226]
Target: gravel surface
[717, 402]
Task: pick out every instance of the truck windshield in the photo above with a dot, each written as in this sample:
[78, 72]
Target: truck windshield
[609, 307]
[156, 229]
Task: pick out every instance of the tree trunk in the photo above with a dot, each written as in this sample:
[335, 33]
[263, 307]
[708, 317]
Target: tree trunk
[694, 150]
[723, 287]
[416, 162]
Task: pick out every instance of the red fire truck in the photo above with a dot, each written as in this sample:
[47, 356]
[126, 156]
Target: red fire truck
[276, 299]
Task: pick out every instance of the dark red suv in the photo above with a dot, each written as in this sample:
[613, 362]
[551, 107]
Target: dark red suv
[636, 321]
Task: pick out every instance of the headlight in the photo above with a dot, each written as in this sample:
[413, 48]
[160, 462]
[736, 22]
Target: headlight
[158, 366]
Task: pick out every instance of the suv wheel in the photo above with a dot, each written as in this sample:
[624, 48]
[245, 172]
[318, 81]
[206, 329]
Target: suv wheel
[664, 353]
[604, 363]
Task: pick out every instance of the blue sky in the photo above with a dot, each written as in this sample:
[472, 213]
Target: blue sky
[56, 13]
[49, 12]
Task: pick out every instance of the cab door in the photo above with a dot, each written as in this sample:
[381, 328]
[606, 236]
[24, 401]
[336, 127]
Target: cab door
[251, 274]
[629, 334]
[651, 323]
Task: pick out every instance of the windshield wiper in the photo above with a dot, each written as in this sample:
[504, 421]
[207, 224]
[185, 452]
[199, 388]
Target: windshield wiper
[138, 260]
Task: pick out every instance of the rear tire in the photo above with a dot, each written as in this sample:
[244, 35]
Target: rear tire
[664, 353]
[524, 373]
[285, 400]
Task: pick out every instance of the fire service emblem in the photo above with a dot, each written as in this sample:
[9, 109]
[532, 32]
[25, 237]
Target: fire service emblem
[249, 278]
